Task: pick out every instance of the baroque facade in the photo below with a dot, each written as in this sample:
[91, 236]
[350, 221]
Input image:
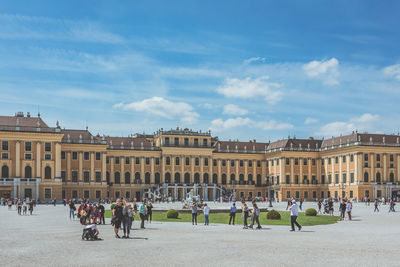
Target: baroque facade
[43, 162]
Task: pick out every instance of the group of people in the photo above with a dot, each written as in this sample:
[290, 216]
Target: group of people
[391, 201]
[87, 213]
[22, 205]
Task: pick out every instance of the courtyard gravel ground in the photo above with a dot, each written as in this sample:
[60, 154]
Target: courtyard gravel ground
[49, 238]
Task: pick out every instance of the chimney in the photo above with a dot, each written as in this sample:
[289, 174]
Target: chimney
[28, 114]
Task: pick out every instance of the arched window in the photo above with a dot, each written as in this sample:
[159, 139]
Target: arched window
[138, 180]
[177, 177]
[391, 177]
[177, 161]
[108, 178]
[28, 172]
[258, 179]
[47, 172]
[241, 178]
[157, 178]
[196, 178]
[167, 160]
[366, 177]
[223, 178]
[187, 178]
[117, 178]
[378, 177]
[233, 179]
[205, 178]
[215, 178]
[168, 178]
[4, 171]
[147, 178]
[127, 178]
[250, 178]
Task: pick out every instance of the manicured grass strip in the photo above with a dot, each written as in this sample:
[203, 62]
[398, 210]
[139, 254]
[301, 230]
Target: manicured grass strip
[224, 218]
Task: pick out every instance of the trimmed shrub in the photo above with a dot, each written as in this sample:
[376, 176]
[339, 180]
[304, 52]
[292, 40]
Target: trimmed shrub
[273, 215]
[172, 214]
[311, 212]
[113, 205]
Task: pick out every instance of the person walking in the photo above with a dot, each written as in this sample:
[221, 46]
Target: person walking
[126, 219]
[142, 213]
[376, 203]
[319, 206]
[232, 214]
[255, 216]
[117, 217]
[55, 202]
[294, 212]
[206, 212]
[349, 208]
[19, 206]
[30, 207]
[194, 213]
[101, 209]
[245, 214]
[330, 206]
[72, 209]
[149, 212]
[343, 209]
[24, 208]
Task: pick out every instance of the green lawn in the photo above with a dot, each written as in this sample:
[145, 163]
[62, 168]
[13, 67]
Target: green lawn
[224, 218]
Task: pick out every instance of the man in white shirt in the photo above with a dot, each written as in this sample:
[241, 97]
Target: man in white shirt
[206, 212]
[294, 212]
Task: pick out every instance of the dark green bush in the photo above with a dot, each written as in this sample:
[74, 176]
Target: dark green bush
[273, 215]
[112, 206]
[172, 214]
[311, 212]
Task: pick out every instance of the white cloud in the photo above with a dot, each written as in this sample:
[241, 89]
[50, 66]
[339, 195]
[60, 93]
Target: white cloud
[232, 109]
[326, 70]
[310, 121]
[218, 125]
[163, 108]
[248, 88]
[206, 106]
[254, 59]
[363, 123]
[392, 71]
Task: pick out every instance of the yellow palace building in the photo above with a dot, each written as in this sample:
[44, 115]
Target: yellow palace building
[43, 162]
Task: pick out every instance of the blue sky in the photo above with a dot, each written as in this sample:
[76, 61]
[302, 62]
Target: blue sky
[263, 70]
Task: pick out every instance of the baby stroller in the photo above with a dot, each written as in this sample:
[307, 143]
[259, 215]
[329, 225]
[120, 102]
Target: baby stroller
[90, 232]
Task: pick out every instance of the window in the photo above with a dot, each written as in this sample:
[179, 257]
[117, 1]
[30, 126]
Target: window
[288, 163]
[351, 158]
[116, 160]
[366, 157]
[62, 175]
[258, 163]
[351, 193]
[47, 147]
[329, 178]
[206, 162]
[366, 177]
[107, 159]
[297, 194]
[323, 162]
[391, 157]
[352, 177]
[98, 177]
[378, 177]
[176, 141]
[127, 160]
[74, 176]
[287, 194]
[313, 162]
[147, 161]
[157, 178]
[344, 178]
[117, 178]
[391, 177]
[215, 162]
[4, 145]
[4, 155]
[47, 172]
[168, 161]
[378, 157]
[86, 155]
[167, 141]
[98, 194]
[215, 178]
[86, 176]
[288, 179]
[137, 160]
[187, 161]
[250, 163]
[28, 156]
[62, 154]
[147, 178]
[74, 194]
[127, 195]
[75, 155]
[28, 146]
[186, 141]
[344, 159]
[98, 157]
[47, 193]
[196, 161]
[127, 178]
[196, 142]
[323, 179]
[314, 194]
[296, 179]
[336, 160]
[241, 163]
[157, 161]
[86, 194]
[272, 162]
[4, 171]
[223, 162]
[305, 162]
[232, 163]
[177, 161]
[47, 156]
[205, 142]
[336, 178]
[296, 161]
[329, 161]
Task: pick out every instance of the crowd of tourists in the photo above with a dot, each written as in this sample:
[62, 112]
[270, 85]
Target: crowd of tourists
[22, 205]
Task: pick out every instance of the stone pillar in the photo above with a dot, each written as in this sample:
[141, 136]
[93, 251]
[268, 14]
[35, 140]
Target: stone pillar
[309, 163]
[17, 159]
[210, 164]
[219, 172]
[152, 177]
[384, 178]
[37, 189]
[80, 173]
[68, 178]
[162, 168]
[202, 169]
[142, 159]
[228, 170]
[15, 193]
[38, 159]
[133, 162]
[215, 192]
[263, 170]
[318, 162]
[292, 171]
[173, 168]
[348, 168]
[255, 171]
[301, 161]
[333, 171]
[340, 171]
[104, 166]
[92, 174]
[122, 175]
[236, 172]
[372, 168]
[358, 167]
[398, 168]
[192, 169]
[112, 177]
[58, 160]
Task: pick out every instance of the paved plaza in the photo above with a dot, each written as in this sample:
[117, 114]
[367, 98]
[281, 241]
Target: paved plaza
[49, 238]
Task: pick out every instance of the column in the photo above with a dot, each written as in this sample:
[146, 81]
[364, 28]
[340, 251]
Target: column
[348, 168]
[340, 170]
[163, 169]
[237, 171]
[358, 167]
[292, 171]
[246, 163]
[219, 172]
[68, 155]
[326, 169]
[173, 168]
[112, 177]
[133, 162]
[398, 167]
[192, 168]
[92, 174]
[201, 169]
[301, 161]
[142, 159]
[372, 178]
[263, 170]
[38, 159]
[37, 189]
[182, 170]
[318, 161]
[228, 170]
[58, 160]
[122, 175]
[103, 166]
[152, 177]
[309, 163]
[384, 168]
[17, 158]
[333, 170]
[80, 174]
[210, 164]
